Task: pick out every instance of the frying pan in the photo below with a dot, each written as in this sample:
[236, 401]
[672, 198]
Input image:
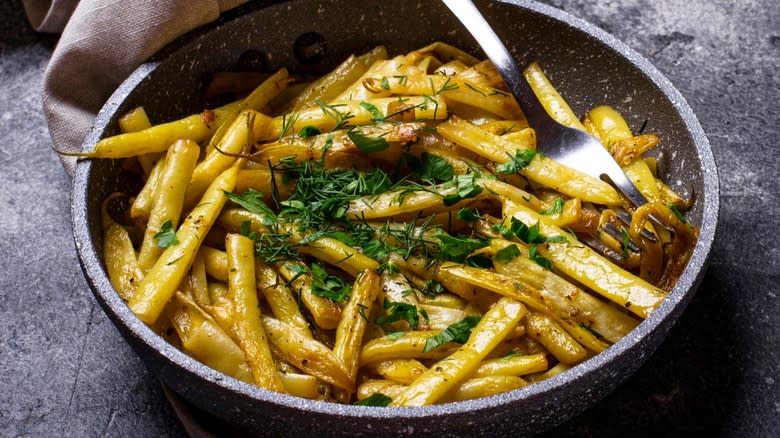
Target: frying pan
[588, 66]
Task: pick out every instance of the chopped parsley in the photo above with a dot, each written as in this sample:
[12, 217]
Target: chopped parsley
[328, 286]
[521, 160]
[252, 201]
[539, 259]
[430, 167]
[376, 399]
[458, 332]
[555, 208]
[468, 215]
[456, 249]
[397, 311]
[308, 131]
[507, 254]
[378, 116]
[166, 236]
[367, 143]
[467, 187]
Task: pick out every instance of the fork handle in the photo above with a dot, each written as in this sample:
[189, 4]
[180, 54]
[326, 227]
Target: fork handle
[496, 51]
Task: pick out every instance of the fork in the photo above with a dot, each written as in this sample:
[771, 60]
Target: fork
[569, 146]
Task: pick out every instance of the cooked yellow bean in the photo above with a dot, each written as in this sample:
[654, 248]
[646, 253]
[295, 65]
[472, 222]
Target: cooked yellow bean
[158, 138]
[205, 340]
[119, 255]
[554, 338]
[514, 365]
[542, 170]
[349, 333]
[246, 128]
[584, 265]
[179, 164]
[246, 313]
[280, 299]
[307, 354]
[136, 120]
[162, 280]
[485, 386]
[445, 374]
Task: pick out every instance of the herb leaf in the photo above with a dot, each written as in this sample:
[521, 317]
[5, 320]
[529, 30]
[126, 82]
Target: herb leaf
[376, 399]
[467, 188]
[539, 259]
[430, 167]
[555, 208]
[252, 201]
[468, 215]
[458, 332]
[521, 160]
[456, 249]
[679, 215]
[365, 143]
[507, 254]
[308, 131]
[166, 236]
[328, 286]
[378, 116]
[400, 312]
[525, 233]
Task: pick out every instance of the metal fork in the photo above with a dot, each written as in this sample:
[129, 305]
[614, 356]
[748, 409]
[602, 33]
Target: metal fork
[569, 146]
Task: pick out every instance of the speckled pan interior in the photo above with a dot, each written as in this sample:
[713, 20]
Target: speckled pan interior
[587, 65]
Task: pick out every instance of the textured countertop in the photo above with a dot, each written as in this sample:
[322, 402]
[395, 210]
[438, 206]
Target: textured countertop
[65, 371]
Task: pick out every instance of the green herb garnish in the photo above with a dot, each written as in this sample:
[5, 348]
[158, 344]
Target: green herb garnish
[555, 208]
[521, 160]
[397, 311]
[466, 188]
[308, 131]
[456, 249]
[166, 236]
[679, 215]
[458, 332]
[507, 254]
[252, 201]
[376, 399]
[365, 143]
[378, 116]
[328, 286]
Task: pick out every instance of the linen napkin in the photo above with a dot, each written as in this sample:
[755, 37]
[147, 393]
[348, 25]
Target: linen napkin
[101, 44]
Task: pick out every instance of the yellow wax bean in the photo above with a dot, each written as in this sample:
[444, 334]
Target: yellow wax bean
[351, 112]
[246, 128]
[197, 127]
[542, 170]
[281, 301]
[586, 266]
[203, 338]
[515, 365]
[498, 322]
[119, 255]
[179, 164]
[165, 276]
[554, 339]
[145, 199]
[485, 386]
[349, 333]
[307, 354]
[246, 313]
[133, 121]
[450, 88]
[549, 97]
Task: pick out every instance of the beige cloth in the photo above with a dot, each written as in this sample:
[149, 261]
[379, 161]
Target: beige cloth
[102, 43]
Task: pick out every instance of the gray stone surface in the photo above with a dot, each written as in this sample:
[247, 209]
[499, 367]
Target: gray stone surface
[65, 371]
